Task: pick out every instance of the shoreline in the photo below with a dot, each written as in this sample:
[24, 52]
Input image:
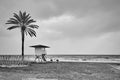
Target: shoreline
[91, 61]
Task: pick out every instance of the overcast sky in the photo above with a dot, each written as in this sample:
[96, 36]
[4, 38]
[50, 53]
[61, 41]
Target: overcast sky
[67, 26]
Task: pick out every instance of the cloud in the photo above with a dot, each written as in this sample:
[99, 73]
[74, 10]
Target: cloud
[89, 25]
[68, 26]
[79, 8]
[50, 8]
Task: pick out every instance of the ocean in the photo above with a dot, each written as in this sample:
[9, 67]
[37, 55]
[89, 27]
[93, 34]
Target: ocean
[73, 58]
[80, 58]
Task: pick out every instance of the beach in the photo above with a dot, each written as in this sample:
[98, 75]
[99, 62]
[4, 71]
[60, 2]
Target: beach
[59, 40]
[62, 71]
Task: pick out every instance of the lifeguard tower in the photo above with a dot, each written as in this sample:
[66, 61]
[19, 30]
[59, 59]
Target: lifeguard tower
[40, 52]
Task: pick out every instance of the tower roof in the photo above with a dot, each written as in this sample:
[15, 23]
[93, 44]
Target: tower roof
[40, 46]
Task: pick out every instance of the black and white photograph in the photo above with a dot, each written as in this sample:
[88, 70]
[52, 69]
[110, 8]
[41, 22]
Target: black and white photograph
[59, 39]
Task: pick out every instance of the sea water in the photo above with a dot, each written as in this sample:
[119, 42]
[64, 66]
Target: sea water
[77, 58]
[80, 58]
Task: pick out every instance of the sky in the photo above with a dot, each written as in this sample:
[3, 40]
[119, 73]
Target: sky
[67, 26]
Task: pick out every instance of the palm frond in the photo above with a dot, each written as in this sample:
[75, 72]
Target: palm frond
[21, 15]
[11, 22]
[33, 26]
[13, 19]
[24, 17]
[31, 32]
[17, 17]
[12, 27]
[27, 18]
[24, 13]
[30, 21]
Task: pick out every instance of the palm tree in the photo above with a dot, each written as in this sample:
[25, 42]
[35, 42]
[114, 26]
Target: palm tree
[24, 22]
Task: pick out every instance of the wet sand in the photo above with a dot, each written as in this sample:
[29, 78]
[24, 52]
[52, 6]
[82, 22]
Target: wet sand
[62, 71]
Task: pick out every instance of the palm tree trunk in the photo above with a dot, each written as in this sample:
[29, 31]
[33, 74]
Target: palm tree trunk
[23, 37]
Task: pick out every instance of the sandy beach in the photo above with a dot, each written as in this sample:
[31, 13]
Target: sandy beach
[62, 71]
